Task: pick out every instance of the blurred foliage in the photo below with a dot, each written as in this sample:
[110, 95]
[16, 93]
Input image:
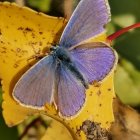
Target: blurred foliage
[123, 7]
[0, 96]
[126, 13]
[127, 79]
[41, 5]
[50, 7]
[127, 83]
[7, 133]
[128, 47]
[34, 127]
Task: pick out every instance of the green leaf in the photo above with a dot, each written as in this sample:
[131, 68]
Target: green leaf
[127, 83]
[0, 95]
[42, 5]
[7, 133]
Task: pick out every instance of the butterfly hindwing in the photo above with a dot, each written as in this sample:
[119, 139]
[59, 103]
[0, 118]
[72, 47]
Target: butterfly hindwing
[94, 60]
[35, 87]
[71, 93]
[88, 20]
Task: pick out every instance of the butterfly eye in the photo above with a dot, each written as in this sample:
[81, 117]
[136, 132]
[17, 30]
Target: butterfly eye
[53, 49]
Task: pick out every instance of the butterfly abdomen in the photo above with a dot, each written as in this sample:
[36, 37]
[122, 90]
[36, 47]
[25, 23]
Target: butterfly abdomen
[77, 74]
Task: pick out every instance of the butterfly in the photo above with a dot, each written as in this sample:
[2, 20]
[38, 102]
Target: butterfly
[63, 76]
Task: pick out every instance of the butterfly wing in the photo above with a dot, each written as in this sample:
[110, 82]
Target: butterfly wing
[71, 93]
[88, 20]
[35, 87]
[94, 60]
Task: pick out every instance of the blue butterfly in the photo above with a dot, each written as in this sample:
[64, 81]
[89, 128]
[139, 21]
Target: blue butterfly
[63, 77]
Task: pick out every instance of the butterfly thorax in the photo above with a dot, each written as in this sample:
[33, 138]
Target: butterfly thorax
[62, 56]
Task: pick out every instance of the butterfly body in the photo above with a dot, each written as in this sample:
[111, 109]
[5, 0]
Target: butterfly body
[62, 57]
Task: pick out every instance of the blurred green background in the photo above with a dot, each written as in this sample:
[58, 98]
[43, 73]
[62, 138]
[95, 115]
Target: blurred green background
[127, 76]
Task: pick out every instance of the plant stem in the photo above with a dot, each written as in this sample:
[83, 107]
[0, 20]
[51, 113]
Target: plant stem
[117, 34]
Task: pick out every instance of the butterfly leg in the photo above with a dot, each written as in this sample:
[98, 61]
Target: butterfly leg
[38, 55]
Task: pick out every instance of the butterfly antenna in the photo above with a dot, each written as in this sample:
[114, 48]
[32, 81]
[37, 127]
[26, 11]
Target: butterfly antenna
[117, 34]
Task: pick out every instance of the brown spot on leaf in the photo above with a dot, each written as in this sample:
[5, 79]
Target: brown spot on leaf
[107, 122]
[20, 28]
[2, 42]
[33, 35]
[4, 48]
[99, 92]
[18, 49]
[6, 6]
[40, 33]
[25, 30]
[3, 61]
[93, 131]
[109, 89]
[40, 43]
[16, 65]
[0, 32]
[31, 43]
[12, 50]
[96, 84]
[28, 29]
[3, 51]
[90, 94]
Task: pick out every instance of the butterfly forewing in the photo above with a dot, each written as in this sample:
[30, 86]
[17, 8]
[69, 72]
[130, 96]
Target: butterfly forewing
[71, 93]
[35, 87]
[88, 20]
[94, 60]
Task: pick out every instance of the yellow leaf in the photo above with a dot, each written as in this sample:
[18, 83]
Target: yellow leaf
[56, 131]
[22, 32]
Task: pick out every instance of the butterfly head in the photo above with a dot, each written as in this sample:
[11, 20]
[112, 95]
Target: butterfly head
[53, 48]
